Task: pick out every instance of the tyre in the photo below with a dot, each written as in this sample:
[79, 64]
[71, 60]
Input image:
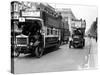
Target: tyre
[69, 45]
[82, 46]
[39, 51]
[16, 52]
[74, 46]
[84, 42]
[58, 45]
[33, 51]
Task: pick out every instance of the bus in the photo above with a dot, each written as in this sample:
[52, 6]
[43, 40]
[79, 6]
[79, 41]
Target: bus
[38, 30]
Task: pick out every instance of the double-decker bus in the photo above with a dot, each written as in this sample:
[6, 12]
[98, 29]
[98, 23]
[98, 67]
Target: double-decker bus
[39, 30]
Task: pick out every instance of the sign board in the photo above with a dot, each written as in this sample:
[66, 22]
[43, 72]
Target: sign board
[31, 13]
[76, 24]
[21, 19]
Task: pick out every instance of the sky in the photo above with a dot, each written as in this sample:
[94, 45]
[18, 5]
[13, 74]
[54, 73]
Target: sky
[88, 13]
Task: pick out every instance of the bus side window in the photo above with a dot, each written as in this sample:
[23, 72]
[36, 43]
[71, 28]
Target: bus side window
[48, 31]
[56, 32]
[51, 31]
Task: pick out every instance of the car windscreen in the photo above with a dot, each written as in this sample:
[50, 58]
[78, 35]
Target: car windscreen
[76, 37]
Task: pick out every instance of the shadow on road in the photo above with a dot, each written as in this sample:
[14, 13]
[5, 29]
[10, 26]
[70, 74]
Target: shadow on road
[30, 56]
[50, 50]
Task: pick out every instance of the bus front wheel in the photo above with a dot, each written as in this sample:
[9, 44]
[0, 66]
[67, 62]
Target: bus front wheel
[16, 52]
[38, 51]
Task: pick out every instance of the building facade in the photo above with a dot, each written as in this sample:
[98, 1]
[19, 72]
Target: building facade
[67, 16]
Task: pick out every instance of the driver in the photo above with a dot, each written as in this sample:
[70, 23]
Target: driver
[36, 39]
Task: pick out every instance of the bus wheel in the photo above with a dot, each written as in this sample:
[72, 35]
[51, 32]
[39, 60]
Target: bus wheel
[58, 45]
[16, 52]
[38, 51]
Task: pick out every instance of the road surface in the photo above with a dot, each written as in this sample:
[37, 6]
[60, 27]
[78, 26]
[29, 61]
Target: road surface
[62, 59]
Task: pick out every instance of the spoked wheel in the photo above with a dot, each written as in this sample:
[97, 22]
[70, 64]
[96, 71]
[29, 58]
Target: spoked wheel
[38, 51]
[58, 45]
[16, 52]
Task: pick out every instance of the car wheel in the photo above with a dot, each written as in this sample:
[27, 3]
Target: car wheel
[75, 46]
[84, 42]
[69, 45]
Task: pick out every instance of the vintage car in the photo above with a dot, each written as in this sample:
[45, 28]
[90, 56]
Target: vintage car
[77, 42]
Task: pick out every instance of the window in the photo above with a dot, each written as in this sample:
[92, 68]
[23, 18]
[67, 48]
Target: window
[16, 7]
[56, 32]
[47, 31]
[51, 31]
